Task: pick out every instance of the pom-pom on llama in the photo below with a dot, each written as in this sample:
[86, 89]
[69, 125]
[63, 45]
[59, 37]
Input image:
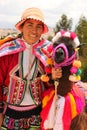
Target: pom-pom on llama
[63, 102]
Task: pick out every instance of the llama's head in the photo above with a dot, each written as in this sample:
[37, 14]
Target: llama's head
[64, 52]
[64, 46]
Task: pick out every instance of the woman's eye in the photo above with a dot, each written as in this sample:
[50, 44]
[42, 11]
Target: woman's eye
[39, 26]
[30, 25]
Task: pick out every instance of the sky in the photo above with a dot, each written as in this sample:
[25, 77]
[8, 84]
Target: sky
[11, 10]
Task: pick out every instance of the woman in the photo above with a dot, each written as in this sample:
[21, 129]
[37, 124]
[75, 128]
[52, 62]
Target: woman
[22, 61]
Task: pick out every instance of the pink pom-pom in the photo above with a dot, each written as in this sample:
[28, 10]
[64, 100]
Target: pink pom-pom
[73, 70]
[48, 70]
[50, 48]
[73, 35]
[62, 32]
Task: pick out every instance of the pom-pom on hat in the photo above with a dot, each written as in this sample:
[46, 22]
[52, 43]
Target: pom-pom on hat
[69, 34]
[32, 13]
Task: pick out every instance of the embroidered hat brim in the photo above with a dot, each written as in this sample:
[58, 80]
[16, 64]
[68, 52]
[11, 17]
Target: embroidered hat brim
[32, 13]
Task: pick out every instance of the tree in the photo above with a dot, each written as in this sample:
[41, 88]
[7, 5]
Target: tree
[63, 23]
[84, 74]
[81, 31]
[50, 38]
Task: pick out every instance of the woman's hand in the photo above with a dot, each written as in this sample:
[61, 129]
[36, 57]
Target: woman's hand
[1, 119]
[56, 73]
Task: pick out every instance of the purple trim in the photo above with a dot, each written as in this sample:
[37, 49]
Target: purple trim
[68, 60]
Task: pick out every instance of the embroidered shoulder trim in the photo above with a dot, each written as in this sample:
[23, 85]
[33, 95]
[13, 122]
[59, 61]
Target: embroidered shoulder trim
[40, 50]
[12, 47]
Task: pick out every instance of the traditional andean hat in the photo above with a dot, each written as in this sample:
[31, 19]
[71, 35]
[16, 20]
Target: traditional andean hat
[32, 13]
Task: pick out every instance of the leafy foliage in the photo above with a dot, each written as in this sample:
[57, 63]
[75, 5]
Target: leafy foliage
[81, 31]
[63, 23]
[84, 74]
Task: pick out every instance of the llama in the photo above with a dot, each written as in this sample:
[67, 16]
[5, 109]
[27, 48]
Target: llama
[62, 103]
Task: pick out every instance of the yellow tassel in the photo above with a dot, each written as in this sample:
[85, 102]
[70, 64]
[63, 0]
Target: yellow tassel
[44, 78]
[49, 61]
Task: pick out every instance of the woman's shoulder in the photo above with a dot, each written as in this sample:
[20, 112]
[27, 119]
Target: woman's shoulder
[11, 46]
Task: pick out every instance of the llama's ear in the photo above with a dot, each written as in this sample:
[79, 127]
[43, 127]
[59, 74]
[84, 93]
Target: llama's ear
[55, 44]
[82, 44]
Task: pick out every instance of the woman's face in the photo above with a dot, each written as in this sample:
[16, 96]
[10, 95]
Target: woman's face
[32, 30]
